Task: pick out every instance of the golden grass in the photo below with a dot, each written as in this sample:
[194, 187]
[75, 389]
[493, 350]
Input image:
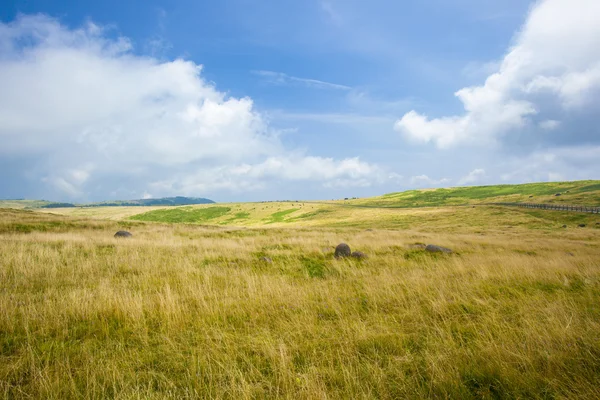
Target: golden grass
[185, 311]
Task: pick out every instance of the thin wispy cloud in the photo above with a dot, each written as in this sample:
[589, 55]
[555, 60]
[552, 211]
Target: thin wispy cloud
[331, 13]
[281, 78]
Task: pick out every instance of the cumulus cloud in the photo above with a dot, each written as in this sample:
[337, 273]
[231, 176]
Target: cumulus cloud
[553, 164]
[98, 119]
[475, 176]
[425, 181]
[549, 124]
[553, 68]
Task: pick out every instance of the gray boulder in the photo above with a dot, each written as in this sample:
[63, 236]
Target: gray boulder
[432, 248]
[359, 255]
[123, 234]
[342, 250]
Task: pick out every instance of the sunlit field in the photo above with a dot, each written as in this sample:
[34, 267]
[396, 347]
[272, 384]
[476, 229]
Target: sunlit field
[218, 311]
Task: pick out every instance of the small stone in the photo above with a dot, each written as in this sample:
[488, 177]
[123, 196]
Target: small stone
[581, 225]
[564, 226]
[437, 249]
[123, 234]
[359, 255]
[342, 250]
[557, 194]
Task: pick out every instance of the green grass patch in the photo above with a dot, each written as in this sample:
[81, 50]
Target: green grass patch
[183, 214]
[280, 216]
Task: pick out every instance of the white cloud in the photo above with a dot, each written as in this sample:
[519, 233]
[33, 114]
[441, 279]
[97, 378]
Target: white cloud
[475, 176]
[553, 164]
[555, 60]
[95, 114]
[424, 180]
[549, 124]
[327, 172]
[333, 15]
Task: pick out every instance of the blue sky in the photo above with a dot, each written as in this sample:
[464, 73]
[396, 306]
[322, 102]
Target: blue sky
[252, 100]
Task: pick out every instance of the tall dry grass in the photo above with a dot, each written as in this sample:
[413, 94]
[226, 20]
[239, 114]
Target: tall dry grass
[192, 312]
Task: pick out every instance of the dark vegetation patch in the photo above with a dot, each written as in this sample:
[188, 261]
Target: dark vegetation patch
[525, 252]
[183, 215]
[311, 215]
[240, 216]
[280, 216]
[58, 205]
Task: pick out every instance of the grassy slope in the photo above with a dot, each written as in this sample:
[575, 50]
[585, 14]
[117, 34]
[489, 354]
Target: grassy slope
[579, 192]
[408, 207]
[191, 311]
[22, 204]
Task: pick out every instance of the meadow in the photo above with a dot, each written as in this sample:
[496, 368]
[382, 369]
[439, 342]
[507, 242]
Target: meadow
[190, 308]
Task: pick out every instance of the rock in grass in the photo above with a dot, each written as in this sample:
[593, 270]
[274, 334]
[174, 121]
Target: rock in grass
[359, 255]
[342, 250]
[123, 234]
[557, 194]
[581, 225]
[564, 226]
[266, 259]
[437, 249]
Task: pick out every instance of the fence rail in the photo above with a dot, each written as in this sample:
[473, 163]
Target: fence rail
[558, 207]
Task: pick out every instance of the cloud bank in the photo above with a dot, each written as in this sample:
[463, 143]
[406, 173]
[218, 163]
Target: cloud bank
[548, 81]
[85, 116]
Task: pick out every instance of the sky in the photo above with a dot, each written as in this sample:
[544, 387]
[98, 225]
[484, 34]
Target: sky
[242, 100]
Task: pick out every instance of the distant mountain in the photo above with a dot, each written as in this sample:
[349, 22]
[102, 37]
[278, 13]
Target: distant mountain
[165, 201]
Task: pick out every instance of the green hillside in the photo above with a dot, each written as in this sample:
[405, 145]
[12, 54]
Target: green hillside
[23, 204]
[395, 210]
[576, 193]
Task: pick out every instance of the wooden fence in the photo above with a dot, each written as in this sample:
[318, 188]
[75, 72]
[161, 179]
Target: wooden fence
[558, 207]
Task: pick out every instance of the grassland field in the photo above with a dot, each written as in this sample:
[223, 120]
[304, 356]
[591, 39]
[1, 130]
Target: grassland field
[189, 308]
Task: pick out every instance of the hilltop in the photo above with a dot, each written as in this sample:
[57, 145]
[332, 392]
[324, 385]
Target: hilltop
[390, 210]
[164, 201]
[576, 193]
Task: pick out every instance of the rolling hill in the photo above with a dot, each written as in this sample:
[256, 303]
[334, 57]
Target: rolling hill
[165, 201]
